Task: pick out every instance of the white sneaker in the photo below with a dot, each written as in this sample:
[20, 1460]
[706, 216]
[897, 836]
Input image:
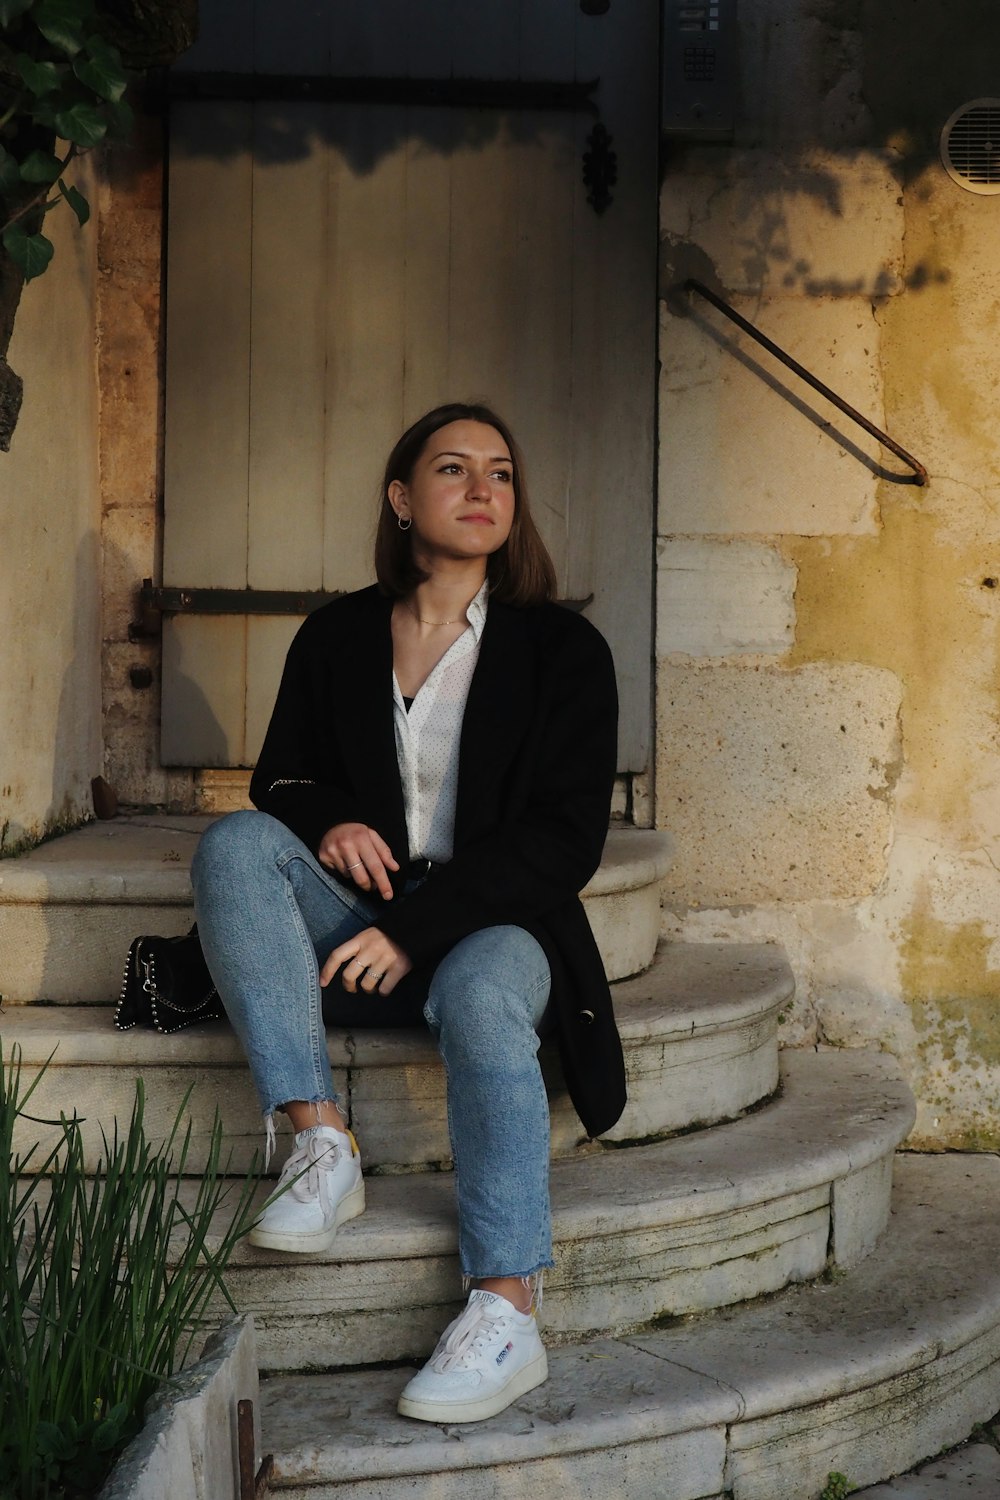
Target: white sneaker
[329, 1191]
[488, 1357]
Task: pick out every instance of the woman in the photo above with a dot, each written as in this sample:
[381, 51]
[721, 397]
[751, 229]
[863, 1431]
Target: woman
[434, 791]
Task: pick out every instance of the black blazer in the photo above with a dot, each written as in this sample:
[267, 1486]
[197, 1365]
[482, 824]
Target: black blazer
[536, 770]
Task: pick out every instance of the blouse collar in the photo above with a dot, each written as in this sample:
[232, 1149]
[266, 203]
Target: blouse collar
[476, 612]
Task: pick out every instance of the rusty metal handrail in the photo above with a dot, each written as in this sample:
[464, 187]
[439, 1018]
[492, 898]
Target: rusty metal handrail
[919, 472]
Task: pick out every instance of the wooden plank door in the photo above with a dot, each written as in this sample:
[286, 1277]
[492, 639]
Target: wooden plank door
[336, 269]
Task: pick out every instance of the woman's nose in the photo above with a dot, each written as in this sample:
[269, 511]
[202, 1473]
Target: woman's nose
[479, 487]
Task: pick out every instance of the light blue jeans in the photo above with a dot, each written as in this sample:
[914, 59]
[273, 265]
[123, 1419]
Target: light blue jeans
[268, 915]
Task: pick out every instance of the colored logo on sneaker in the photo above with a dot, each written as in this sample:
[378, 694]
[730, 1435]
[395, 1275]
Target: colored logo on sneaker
[504, 1353]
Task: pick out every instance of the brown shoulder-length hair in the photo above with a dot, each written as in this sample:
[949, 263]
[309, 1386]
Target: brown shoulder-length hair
[521, 572]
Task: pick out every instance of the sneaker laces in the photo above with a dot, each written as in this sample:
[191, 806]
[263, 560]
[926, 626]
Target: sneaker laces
[470, 1334]
[317, 1154]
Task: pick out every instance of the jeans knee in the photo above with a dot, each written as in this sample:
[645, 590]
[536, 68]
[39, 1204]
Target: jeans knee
[231, 843]
[489, 988]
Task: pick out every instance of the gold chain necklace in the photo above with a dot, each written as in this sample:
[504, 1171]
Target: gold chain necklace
[433, 622]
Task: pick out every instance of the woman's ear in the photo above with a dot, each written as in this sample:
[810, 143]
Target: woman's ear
[397, 498]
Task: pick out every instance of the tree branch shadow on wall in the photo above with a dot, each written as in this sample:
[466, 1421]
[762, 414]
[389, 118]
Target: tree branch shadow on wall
[858, 78]
[827, 84]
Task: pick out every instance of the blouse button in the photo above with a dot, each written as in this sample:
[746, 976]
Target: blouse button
[586, 1017]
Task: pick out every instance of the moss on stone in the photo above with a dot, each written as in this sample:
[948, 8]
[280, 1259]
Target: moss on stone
[952, 991]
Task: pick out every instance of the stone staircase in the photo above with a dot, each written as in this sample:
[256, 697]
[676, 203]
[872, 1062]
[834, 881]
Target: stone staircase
[734, 1311]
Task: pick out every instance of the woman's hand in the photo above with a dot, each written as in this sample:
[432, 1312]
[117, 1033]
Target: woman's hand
[360, 854]
[371, 962]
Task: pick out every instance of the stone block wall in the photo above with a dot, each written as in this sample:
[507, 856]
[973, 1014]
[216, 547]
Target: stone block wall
[827, 645]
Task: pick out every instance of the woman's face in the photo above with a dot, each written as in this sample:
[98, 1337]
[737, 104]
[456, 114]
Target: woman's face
[460, 496]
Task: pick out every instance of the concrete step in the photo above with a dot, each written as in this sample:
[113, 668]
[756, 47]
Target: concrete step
[644, 1232]
[971, 1472]
[699, 1030]
[70, 908]
[863, 1374]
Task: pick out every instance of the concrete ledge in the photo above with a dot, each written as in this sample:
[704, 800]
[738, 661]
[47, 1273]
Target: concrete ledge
[866, 1375]
[699, 1221]
[129, 861]
[70, 908]
[188, 1447]
[970, 1473]
[632, 857]
[699, 1031]
[610, 1420]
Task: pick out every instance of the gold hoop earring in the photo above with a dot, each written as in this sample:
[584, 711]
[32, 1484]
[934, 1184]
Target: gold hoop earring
[400, 520]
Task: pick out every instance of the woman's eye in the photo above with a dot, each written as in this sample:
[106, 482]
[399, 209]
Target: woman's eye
[449, 469]
[504, 475]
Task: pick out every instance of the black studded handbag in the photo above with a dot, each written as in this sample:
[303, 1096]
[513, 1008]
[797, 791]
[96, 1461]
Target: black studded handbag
[166, 985]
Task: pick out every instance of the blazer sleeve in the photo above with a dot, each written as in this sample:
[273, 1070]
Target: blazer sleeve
[545, 849]
[298, 779]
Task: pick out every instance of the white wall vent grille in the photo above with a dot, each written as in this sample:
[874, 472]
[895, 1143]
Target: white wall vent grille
[970, 146]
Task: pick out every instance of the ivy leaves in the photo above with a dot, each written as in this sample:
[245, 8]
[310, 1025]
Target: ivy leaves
[31, 253]
[11, 9]
[59, 79]
[100, 69]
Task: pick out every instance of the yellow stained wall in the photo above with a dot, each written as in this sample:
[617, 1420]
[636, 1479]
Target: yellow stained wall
[890, 294]
[922, 598]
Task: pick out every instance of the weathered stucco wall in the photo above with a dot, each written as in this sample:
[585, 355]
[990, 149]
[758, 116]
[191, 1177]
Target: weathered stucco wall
[828, 670]
[131, 456]
[49, 576]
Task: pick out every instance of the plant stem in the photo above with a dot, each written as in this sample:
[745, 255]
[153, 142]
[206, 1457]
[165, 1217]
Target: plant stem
[40, 196]
[9, 114]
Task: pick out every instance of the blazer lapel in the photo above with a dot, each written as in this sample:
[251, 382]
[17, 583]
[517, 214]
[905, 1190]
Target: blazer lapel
[497, 714]
[365, 726]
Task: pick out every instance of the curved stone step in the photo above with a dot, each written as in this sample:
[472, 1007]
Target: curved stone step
[971, 1472]
[622, 901]
[698, 1221]
[863, 1375]
[700, 1034]
[699, 1031]
[70, 908]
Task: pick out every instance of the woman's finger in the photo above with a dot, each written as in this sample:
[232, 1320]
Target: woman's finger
[334, 961]
[343, 847]
[362, 863]
[393, 975]
[354, 970]
[383, 851]
[352, 966]
[367, 869]
[359, 854]
[380, 876]
[381, 857]
[335, 854]
[369, 961]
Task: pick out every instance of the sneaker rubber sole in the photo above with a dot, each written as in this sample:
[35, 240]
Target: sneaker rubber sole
[486, 1406]
[312, 1241]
